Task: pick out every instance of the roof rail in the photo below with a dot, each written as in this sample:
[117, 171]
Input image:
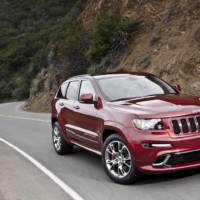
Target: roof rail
[82, 75]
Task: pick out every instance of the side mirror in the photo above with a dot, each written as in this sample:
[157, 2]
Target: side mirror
[178, 87]
[87, 98]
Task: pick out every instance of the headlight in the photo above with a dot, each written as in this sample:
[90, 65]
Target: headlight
[149, 124]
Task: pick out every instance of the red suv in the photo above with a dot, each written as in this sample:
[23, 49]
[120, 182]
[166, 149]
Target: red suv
[137, 122]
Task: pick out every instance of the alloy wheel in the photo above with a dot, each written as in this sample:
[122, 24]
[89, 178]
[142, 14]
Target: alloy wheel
[118, 159]
[56, 138]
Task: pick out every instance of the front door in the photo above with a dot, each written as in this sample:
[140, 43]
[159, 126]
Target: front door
[84, 124]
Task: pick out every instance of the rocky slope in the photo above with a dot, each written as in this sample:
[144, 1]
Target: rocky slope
[167, 43]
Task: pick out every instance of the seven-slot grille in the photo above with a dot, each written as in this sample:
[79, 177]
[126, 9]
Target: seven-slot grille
[186, 125]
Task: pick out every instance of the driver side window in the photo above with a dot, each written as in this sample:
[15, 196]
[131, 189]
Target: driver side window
[86, 87]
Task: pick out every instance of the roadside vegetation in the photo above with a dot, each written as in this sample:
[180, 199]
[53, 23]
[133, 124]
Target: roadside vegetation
[27, 28]
[31, 30]
[111, 34]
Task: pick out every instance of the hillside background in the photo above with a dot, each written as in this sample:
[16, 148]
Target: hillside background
[43, 42]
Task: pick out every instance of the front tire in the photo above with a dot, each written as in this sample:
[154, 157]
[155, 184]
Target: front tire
[118, 161]
[60, 145]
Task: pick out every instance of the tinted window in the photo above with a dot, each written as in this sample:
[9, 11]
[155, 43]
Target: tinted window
[87, 87]
[62, 90]
[72, 91]
[132, 86]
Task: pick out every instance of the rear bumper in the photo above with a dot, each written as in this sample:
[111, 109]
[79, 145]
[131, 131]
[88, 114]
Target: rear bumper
[168, 155]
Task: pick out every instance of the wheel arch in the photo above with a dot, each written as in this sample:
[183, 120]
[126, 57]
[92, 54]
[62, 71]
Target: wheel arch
[53, 120]
[111, 128]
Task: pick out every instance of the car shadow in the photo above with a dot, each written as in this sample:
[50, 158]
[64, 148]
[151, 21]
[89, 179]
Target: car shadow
[95, 160]
[87, 156]
[167, 177]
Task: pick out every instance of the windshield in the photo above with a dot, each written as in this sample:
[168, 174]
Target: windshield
[124, 87]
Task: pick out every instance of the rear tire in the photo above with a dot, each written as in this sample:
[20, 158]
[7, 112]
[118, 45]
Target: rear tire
[60, 145]
[118, 161]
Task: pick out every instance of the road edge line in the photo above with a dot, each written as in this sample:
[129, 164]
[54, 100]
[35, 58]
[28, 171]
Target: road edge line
[67, 189]
[24, 118]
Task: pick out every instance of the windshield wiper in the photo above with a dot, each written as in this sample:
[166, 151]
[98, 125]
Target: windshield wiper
[164, 94]
[122, 99]
[151, 95]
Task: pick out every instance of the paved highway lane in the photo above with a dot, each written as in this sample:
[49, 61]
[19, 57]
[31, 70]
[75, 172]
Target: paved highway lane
[82, 170]
[18, 177]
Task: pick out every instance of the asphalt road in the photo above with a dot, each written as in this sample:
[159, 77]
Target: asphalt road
[19, 179]
[82, 170]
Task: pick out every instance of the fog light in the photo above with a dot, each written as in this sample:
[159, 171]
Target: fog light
[161, 145]
[157, 145]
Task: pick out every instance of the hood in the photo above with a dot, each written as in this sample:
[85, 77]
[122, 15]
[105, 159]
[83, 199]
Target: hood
[160, 106]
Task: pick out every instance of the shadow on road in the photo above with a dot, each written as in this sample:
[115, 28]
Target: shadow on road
[95, 161]
[152, 179]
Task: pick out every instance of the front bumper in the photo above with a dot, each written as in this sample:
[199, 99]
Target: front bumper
[182, 153]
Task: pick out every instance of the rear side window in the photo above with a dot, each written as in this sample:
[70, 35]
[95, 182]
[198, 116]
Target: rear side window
[72, 91]
[62, 91]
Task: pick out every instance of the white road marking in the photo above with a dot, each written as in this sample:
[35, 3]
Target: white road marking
[24, 118]
[50, 174]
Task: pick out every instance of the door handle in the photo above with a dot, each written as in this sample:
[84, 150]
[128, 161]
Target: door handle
[61, 104]
[76, 107]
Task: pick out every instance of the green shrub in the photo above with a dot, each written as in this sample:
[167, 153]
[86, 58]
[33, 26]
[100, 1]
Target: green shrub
[6, 88]
[56, 11]
[21, 87]
[110, 34]
[75, 44]
[27, 30]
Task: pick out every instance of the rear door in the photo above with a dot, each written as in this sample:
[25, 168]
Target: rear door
[61, 103]
[68, 110]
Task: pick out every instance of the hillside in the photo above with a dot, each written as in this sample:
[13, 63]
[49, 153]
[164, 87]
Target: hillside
[44, 42]
[28, 31]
